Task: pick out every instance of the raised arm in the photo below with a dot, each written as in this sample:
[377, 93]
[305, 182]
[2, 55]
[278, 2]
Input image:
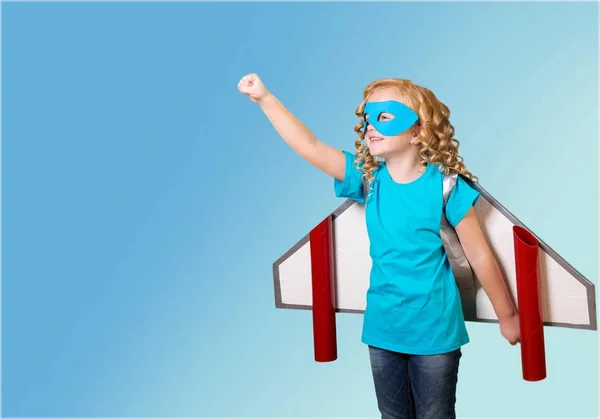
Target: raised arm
[324, 157]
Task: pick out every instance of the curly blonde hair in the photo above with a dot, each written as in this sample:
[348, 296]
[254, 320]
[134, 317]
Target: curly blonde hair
[436, 143]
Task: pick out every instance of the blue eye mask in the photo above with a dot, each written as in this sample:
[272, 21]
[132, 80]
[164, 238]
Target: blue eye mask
[403, 117]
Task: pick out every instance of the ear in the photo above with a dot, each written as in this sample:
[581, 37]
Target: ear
[415, 134]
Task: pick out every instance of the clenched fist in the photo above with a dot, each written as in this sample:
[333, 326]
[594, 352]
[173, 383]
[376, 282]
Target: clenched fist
[253, 87]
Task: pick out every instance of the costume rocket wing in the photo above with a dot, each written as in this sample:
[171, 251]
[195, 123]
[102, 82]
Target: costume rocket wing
[567, 298]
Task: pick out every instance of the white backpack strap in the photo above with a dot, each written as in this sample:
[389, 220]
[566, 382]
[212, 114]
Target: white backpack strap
[365, 188]
[448, 184]
[456, 256]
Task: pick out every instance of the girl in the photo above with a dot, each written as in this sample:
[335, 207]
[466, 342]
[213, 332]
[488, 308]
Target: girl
[413, 322]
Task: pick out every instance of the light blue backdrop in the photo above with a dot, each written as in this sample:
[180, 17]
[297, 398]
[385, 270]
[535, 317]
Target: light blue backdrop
[145, 200]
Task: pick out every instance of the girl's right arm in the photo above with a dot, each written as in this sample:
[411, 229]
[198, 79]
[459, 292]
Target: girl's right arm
[326, 158]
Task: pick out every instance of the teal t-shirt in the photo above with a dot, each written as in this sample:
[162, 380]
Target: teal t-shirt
[413, 303]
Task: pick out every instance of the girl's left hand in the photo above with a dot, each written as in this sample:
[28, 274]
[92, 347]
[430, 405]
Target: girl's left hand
[509, 327]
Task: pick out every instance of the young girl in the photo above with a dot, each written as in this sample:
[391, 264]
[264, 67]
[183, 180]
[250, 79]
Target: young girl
[413, 321]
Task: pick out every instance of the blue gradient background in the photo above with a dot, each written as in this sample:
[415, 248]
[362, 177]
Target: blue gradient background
[145, 199]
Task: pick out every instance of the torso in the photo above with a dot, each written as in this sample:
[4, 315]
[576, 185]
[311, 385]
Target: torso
[413, 304]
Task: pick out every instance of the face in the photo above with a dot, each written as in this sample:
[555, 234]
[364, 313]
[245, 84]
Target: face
[389, 123]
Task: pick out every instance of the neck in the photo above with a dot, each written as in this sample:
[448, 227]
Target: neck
[405, 167]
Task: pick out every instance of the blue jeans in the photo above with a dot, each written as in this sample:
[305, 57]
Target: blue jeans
[409, 386]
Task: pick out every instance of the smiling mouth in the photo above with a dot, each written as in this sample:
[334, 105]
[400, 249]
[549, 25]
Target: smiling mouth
[376, 139]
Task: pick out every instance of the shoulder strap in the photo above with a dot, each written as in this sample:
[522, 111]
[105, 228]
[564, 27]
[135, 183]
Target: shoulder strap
[448, 185]
[463, 274]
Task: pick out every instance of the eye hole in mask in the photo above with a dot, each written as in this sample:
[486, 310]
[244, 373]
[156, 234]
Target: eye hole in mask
[393, 117]
[383, 116]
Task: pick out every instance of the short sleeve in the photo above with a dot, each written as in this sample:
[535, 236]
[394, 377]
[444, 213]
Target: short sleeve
[352, 185]
[460, 201]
